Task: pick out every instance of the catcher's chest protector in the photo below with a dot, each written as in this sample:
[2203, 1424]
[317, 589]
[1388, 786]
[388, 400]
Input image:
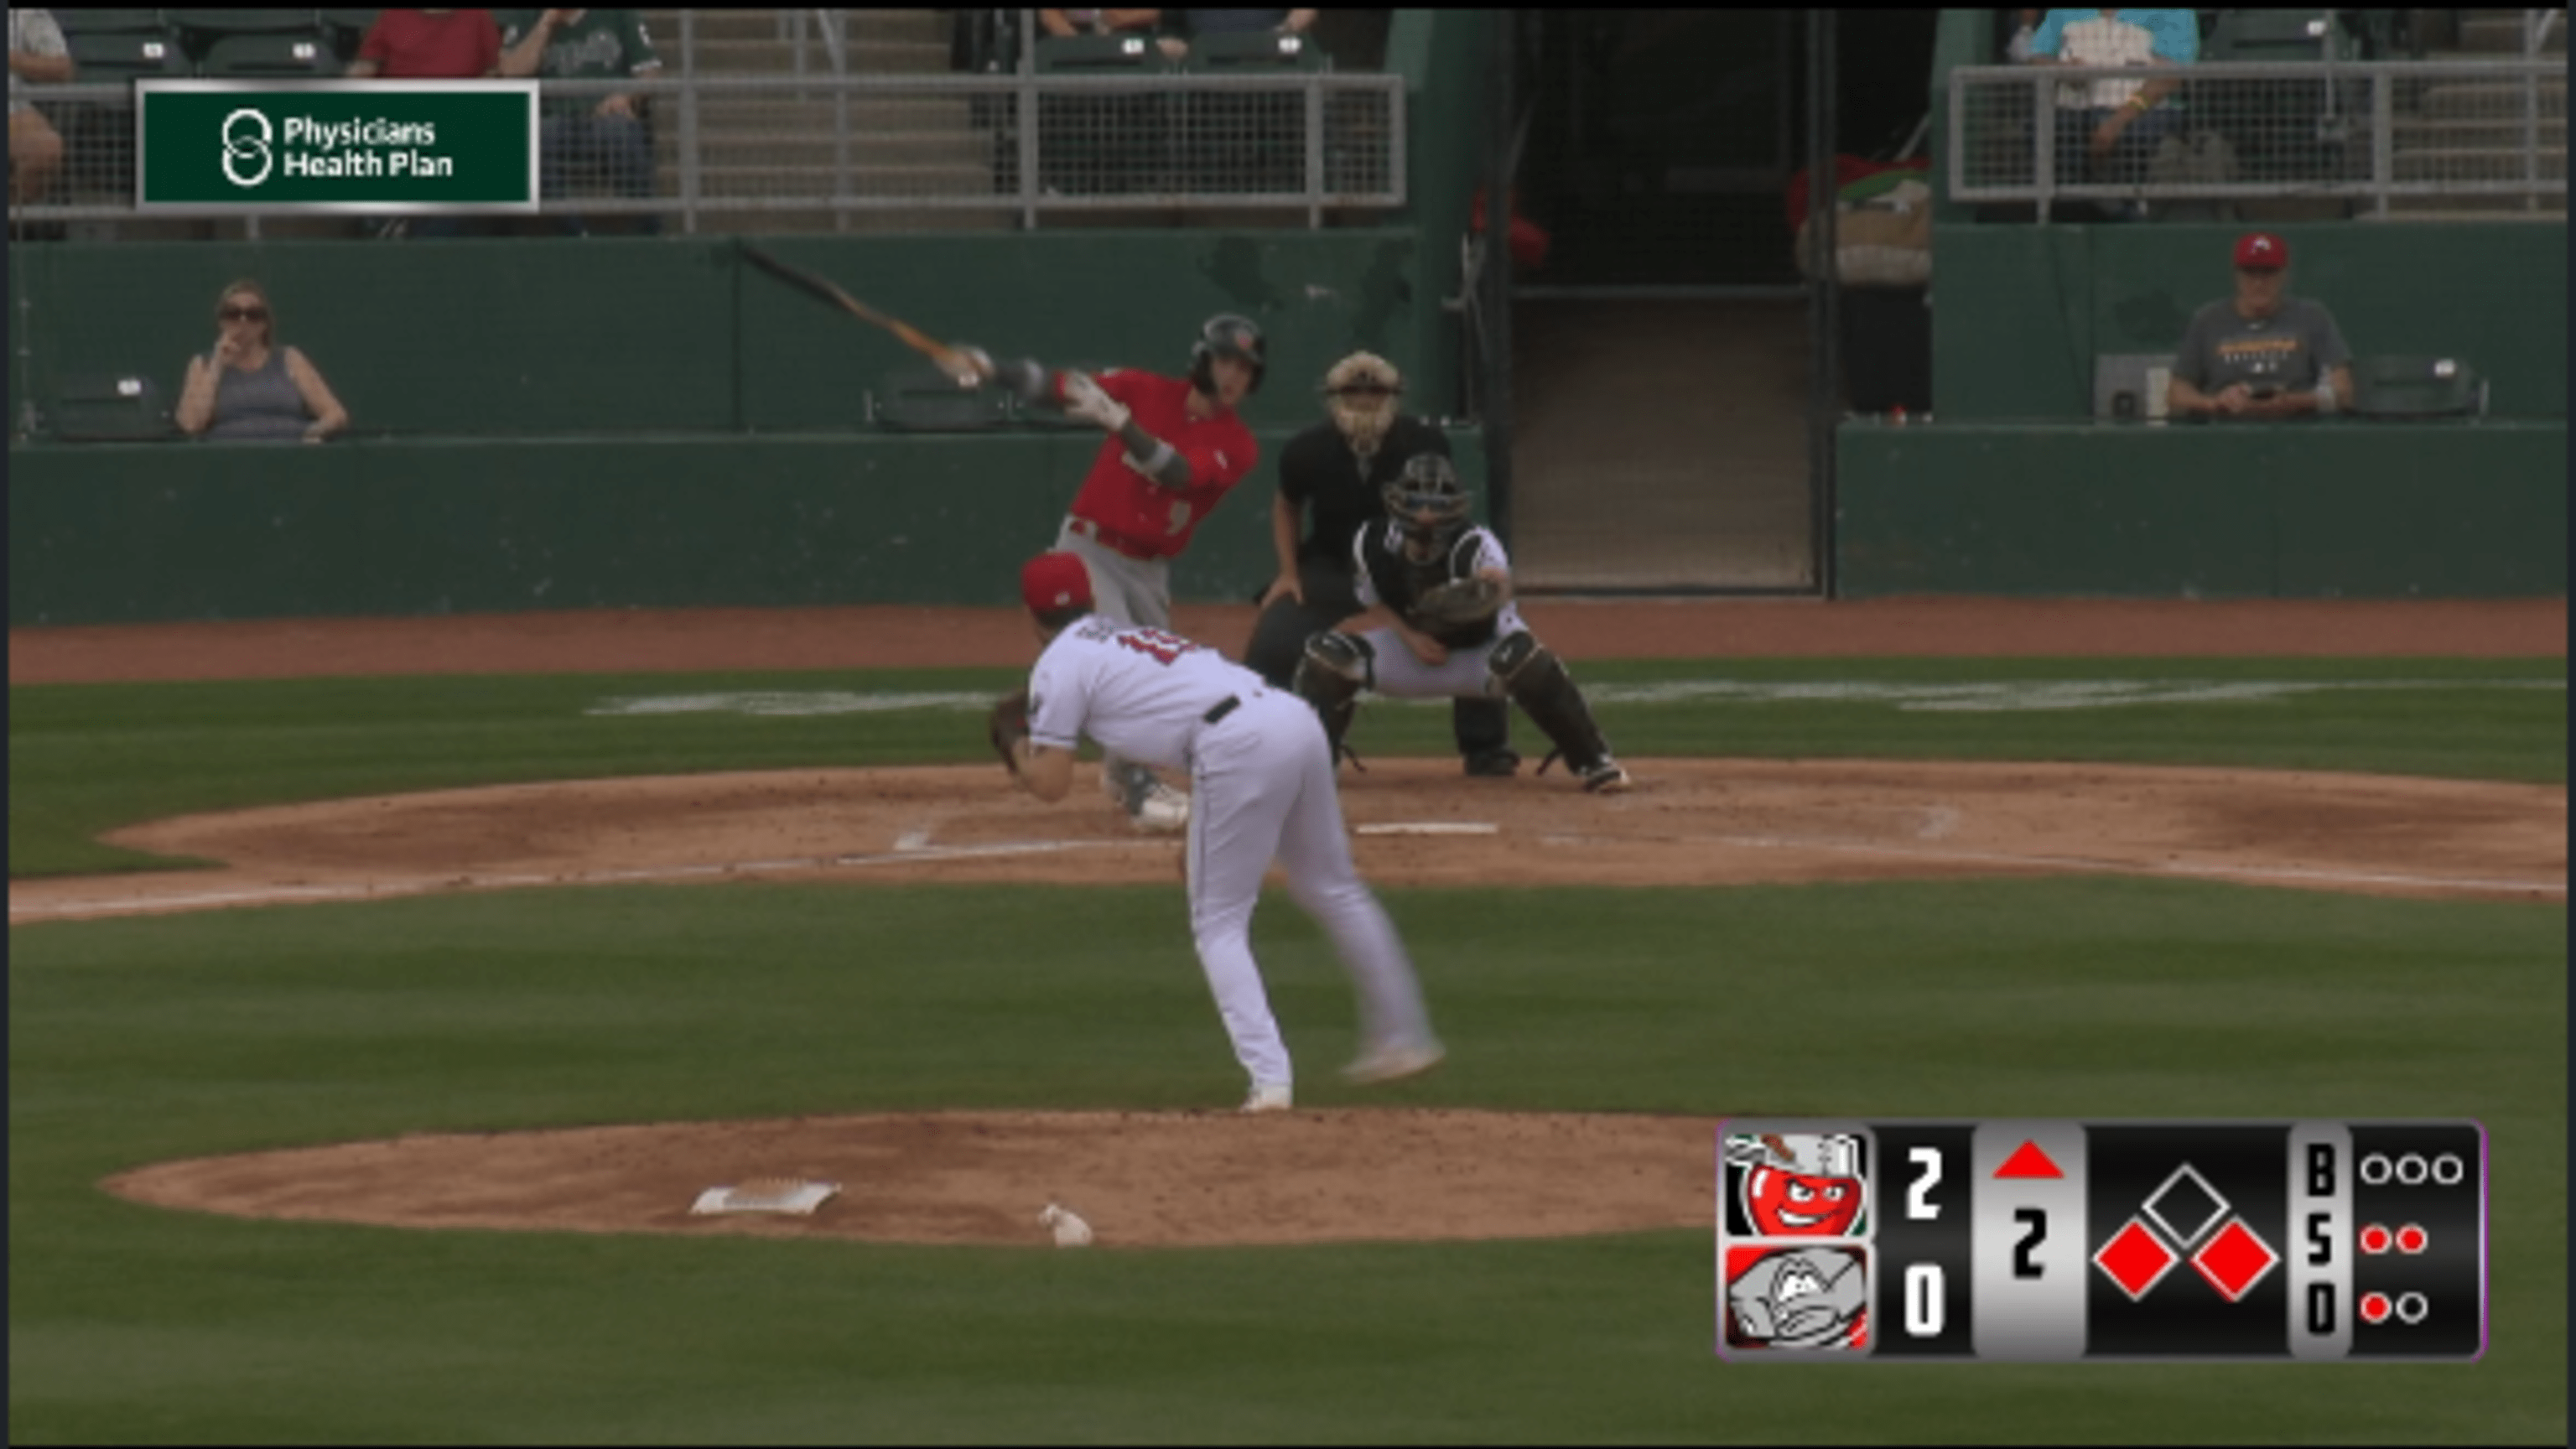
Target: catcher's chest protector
[1400, 579]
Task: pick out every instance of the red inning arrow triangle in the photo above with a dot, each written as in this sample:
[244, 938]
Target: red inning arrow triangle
[2028, 1161]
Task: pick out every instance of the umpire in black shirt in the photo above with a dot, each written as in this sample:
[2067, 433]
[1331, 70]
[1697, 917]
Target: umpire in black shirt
[1340, 467]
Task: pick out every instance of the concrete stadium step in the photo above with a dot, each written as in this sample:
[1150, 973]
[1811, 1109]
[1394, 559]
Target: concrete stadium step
[719, 222]
[2473, 135]
[784, 115]
[2501, 31]
[733, 153]
[2487, 100]
[2441, 164]
[773, 57]
[810, 181]
[921, 27]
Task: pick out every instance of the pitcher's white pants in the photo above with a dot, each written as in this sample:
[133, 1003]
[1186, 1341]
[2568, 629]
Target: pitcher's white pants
[1262, 787]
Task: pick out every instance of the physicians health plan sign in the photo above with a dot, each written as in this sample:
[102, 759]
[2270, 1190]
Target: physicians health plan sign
[218, 148]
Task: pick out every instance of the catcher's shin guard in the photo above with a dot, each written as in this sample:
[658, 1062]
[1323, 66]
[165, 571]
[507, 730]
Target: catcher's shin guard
[1536, 680]
[1330, 677]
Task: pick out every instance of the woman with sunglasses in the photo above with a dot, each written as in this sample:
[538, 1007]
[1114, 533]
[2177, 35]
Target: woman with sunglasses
[251, 390]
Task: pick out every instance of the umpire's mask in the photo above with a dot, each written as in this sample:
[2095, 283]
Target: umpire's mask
[1360, 392]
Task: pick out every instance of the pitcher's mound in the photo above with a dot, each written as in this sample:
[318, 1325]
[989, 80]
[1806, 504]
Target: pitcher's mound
[1141, 1179]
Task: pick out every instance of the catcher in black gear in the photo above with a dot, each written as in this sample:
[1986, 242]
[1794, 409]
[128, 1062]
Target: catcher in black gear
[1440, 621]
[1342, 468]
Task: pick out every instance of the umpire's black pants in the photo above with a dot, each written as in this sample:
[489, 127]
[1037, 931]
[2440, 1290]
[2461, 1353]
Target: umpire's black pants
[1279, 641]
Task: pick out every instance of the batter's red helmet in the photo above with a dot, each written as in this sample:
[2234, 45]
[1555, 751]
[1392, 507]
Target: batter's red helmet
[1227, 335]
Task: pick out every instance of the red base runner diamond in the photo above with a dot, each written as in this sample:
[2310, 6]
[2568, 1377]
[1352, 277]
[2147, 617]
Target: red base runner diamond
[2135, 1258]
[2235, 1260]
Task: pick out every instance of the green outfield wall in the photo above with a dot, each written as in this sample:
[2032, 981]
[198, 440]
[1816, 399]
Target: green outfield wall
[2327, 510]
[2020, 312]
[529, 337]
[120, 533]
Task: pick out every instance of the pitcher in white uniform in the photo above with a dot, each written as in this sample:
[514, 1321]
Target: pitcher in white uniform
[1261, 780]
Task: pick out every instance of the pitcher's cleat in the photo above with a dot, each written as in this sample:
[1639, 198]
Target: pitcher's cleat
[1269, 1097]
[1393, 1062]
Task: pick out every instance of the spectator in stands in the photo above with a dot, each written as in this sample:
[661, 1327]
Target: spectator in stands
[2107, 129]
[249, 389]
[2261, 354]
[578, 133]
[1195, 23]
[36, 54]
[2025, 30]
[1097, 22]
[429, 45]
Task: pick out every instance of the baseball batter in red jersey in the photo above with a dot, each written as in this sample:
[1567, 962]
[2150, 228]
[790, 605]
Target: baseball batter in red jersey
[1174, 447]
[1261, 782]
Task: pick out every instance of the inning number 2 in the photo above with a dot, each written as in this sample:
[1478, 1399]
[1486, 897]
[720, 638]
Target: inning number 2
[1918, 1198]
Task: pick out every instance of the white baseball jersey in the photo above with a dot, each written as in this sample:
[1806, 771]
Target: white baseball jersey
[1489, 555]
[1141, 692]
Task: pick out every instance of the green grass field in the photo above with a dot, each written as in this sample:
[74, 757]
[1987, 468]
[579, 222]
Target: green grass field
[137, 1041]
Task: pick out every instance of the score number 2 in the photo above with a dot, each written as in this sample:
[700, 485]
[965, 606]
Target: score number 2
[1925, 1315]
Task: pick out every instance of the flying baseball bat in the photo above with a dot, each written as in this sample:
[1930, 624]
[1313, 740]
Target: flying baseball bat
[956, 364]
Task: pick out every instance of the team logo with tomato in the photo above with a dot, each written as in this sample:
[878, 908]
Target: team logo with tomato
[1799, 1184]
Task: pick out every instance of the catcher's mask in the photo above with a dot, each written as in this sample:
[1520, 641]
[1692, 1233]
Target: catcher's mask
[1360, 393]
[1427, 499]
[1227, 335]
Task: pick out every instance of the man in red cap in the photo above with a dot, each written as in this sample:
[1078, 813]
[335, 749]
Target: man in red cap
[1261, 788]
[2262, 353]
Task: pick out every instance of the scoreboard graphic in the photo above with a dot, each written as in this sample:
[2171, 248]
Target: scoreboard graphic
[2047, 1240]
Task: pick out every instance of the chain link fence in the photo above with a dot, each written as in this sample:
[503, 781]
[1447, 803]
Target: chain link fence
[2383, 137]
[825, 151]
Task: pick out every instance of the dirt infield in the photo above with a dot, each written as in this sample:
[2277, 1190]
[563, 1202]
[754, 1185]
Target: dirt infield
[1140, 1179]
[1195, 1179]
[600, 641]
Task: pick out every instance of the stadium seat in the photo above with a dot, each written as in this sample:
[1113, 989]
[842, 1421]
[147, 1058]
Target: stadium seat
[1133, 53]
[111, 408]
[347, 29]
[2284, 130]
[112, 56]
[926, 400]
[1234, 52]
[109, 22]
[2417, 387]
[200, 30]
[236, 57]
[2129, 387]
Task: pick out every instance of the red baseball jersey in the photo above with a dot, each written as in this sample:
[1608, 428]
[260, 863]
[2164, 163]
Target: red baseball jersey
[1219, 450]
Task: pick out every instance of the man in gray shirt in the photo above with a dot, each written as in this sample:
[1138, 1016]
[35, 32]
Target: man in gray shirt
[2261, 354]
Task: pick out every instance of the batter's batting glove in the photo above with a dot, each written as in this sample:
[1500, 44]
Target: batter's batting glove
[1084, 399]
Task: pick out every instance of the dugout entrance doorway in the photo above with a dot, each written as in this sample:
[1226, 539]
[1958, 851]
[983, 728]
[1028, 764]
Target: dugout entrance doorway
[1662, 388]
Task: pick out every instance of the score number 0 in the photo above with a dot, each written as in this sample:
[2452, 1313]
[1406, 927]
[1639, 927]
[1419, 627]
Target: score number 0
[1924, 1314]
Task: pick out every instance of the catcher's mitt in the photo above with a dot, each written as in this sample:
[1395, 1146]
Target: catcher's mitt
[1465, 601]
[1008, 725]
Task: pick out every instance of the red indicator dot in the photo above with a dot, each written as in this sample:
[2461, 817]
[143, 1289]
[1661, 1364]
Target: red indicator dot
[2374, 1239]
[2374, 1308]
[2413, 1239]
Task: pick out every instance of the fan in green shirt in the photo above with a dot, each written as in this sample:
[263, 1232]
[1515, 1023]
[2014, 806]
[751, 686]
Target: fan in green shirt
[586, 134]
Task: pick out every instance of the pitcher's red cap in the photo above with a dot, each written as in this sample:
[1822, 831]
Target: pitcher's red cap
[2258, 251]
[1055, 581]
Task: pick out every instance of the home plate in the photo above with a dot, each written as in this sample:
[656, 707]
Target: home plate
[1431, 827]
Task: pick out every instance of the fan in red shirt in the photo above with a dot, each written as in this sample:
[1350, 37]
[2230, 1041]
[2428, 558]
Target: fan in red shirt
[1174, 447]
[429, 45]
